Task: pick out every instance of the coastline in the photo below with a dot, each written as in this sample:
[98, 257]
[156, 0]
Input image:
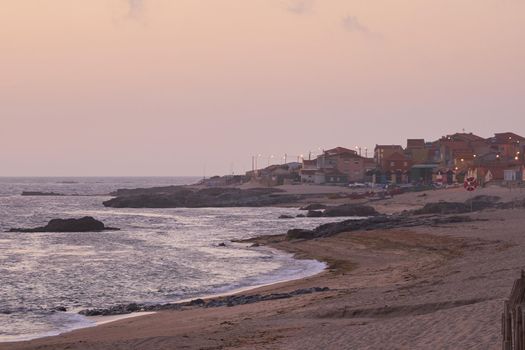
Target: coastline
[420, 287]
[87, 322]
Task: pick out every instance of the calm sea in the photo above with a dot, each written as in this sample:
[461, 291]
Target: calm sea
[160, 255]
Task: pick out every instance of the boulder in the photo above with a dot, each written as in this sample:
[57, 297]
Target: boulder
[286, 217]
[314, 214]
[85, 224]
[313, 206]
[298, 233]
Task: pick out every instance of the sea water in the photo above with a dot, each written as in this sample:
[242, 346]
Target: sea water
[159, 255]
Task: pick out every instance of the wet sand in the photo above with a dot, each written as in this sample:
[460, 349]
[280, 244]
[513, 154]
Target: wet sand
[420, 288]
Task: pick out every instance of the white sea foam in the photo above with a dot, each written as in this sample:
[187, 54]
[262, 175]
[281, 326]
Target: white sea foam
[160, 255]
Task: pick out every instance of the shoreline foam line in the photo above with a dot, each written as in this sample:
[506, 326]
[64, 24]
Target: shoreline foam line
[94, 321]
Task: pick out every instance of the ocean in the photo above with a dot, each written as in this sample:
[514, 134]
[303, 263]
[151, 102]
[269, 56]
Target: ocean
[160, 255]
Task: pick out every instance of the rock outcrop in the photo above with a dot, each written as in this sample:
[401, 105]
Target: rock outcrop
[187, 197]
[475, 204]
[85, 224]
[373, 223]
[313, 206]
[38, 193]
[228, 301]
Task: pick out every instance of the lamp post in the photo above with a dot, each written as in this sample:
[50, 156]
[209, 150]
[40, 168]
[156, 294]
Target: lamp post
[257, 163]
[270, 157]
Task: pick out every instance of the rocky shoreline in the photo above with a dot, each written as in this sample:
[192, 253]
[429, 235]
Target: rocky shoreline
[190, 197]
[229, 301]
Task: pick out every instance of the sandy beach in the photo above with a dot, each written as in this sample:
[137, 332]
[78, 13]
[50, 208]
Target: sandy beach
[434, 287]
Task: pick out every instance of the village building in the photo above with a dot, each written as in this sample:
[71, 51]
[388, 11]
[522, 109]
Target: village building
[382, 152]
[308, 171]
[337, 166]
[508, 145]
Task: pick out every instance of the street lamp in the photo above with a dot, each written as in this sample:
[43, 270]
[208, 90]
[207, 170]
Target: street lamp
[270, 157]
[257, 162]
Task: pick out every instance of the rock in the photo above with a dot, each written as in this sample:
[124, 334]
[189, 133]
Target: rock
[85, 224]
[443, 208]
[60, 309]
[313, 206]
[222, 244]
[229, 301]
[37, 193]
[477, 203]
[373, 223]
[286, 217]
[186, 197]
[350, 210]
[197, 302]
[301, 216]
[255, 245]
[297, 233]
[314, 214]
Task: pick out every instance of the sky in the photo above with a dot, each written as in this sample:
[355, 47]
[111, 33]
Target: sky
[197, 87]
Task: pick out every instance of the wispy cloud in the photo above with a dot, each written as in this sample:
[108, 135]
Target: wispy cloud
[135, 8]
[300, 7]
[353, 25]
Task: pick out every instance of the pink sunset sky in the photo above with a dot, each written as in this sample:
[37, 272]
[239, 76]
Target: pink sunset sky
[164, 87]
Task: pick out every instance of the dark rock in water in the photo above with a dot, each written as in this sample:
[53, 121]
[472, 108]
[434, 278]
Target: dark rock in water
[85, 224]
[187, 197]
[222, 244]
[255, 245]
[313, 206]
[60, 309]
[301, 216]
[286, 217]
[37, 193]
[314, 214]
[350, 210]
[297, 233]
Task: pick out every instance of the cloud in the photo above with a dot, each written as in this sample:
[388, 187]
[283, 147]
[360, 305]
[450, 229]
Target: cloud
[300, 7]
[135, 8]
[352, 24]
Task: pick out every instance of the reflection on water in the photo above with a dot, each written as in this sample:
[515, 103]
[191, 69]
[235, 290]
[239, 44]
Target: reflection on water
[160, 255]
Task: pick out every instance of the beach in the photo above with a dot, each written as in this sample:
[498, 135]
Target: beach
[430, 287]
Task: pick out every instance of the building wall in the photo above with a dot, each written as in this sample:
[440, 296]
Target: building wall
[354, 167]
